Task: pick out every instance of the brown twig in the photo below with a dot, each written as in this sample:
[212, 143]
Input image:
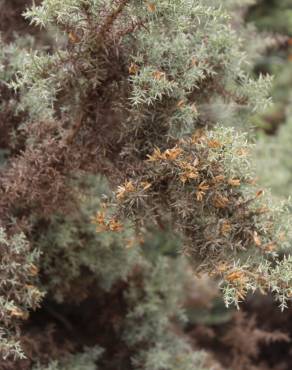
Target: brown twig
[111, 19]
[132, 28]
[74, 131]
[241, 100]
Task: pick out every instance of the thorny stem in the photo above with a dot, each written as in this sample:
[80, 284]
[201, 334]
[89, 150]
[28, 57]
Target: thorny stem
[134, 27]
[103, 30]
[110, 19]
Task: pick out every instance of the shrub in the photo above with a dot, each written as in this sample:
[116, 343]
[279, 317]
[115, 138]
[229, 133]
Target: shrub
[119, 137]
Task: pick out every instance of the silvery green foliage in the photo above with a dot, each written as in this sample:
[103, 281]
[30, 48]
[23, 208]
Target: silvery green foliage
[12, 56]
[17, 294]
[74, 237]
[152, 319]
[276, 278]
[184, 47]
[10, 347]
[11, 59]
[86, 360]
[181, 356]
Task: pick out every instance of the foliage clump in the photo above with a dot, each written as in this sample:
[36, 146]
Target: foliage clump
[82, 361]
[205, 185]
[18, 293]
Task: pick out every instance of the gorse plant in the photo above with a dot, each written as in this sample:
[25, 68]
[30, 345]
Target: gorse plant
[113, 132]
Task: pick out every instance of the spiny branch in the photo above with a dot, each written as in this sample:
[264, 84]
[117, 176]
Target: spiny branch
[111, 19]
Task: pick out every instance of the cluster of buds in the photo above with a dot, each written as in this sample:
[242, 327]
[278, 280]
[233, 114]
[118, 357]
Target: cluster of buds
[102, 225]
[167, 155]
